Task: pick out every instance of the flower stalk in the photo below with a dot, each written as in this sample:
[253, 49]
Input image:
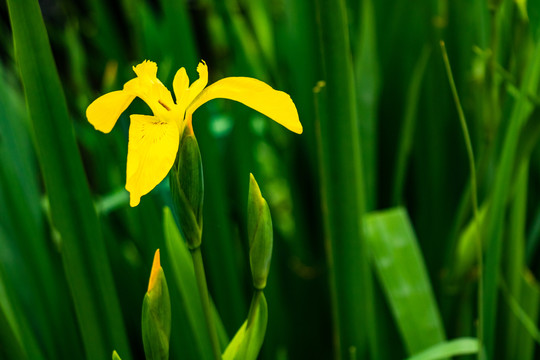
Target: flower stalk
[187, 190]
[165, 143]
[200, 276]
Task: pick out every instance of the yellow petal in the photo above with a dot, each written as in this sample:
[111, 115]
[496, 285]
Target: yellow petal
[106, 109]
[163, 96]
[197, 86]
[180, 84]
[146, 69]
[152, 92]
[156, 266]
[256, 94]
[151, 153]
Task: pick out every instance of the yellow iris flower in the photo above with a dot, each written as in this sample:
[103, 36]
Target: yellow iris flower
[154, 140]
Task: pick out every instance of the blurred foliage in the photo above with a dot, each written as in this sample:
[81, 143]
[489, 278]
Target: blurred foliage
[381, 131]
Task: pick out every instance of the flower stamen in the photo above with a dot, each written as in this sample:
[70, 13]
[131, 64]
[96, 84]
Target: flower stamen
[163, 104]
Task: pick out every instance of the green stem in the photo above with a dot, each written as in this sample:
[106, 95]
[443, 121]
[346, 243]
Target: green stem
[251, 318]
[474, 199]
[254, 304]
[205, 300]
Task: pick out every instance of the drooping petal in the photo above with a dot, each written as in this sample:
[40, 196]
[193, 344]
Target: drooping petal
[256, 94]
[180, 84]
[197, 86]
[106, 109]
[152, 150]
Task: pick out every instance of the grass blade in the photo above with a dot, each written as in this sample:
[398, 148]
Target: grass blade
[529, 336]
[514, 261]
[527, 332]
[499, 195]
[409, 124]
[16, 340]
[533, 11]
[366, 69]
[21, 219]
[72, 213]
[456, 347]
[342, 186]
[402, 272]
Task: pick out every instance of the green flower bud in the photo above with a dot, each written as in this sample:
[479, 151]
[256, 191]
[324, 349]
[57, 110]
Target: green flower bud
[156, 315]
[187, 188]
[260, 235]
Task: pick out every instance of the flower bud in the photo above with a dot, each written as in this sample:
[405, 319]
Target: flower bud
[260, 235]
[156, 315]
[187, 188]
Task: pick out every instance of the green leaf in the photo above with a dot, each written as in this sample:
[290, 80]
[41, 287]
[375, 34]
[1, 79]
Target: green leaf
[456, 347]
[514, 261]
[366, 68]
[16, 339]
[177, 29]
[402, 272]
[248, 340]
[72, 213]
[530, 303]
[409, 123]
[499, 194]
[342, 184]
[261, 20]
[11, 345]
[24, 240]
[533, 11]
[526, 317]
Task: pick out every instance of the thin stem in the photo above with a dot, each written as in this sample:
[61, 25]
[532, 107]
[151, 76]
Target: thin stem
[254, 305]
[200, 276]
[253, 310]
[474, 199]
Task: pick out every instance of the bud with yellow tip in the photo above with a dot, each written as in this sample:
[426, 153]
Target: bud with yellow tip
[156, 315]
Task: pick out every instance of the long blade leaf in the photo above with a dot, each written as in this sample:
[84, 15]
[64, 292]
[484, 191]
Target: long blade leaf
[402, 272]
[463, 346]
[72, 213]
